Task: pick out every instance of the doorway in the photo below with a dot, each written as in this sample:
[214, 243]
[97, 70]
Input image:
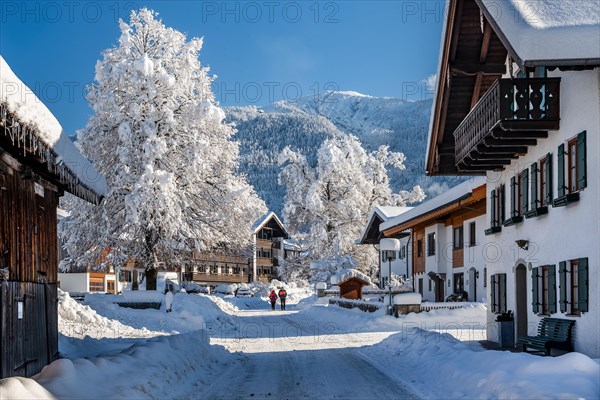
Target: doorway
[472, 284]
[521, 299]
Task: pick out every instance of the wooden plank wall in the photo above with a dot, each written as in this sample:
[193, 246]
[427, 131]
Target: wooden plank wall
[28, 228]
[29, 340]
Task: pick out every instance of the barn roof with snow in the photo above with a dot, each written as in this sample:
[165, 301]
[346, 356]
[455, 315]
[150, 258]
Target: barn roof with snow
[31, 131]
[270, 218]
[379, 214]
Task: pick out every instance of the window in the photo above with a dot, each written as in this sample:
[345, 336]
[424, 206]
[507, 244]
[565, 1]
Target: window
[523, 203]
[110, 286]
[498, 293]
[402, 252]
[429, 284]
[420, 248]
[457, 242]
[543, 280]
[472, 234]
[485, 277]
[421, 286]
[96, 285]
[431, 244]
[214, 269]
[572, 172]
[573, 281]
[541, 186]
[459, 283]
[496, 210]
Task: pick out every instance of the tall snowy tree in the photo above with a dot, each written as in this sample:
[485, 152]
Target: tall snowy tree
[327, 204]
[159, 138]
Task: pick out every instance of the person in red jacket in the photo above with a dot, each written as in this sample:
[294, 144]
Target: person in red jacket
[282, 296]
[273, 298]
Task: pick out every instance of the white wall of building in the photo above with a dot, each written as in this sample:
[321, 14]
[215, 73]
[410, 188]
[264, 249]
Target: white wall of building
[564, 233]
[74, 281]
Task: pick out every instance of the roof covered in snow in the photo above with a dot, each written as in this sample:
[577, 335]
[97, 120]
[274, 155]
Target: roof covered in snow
[456, 193]
[548, 30]
[378, 213]
[35, 125]
[264, 219]
[347, 274]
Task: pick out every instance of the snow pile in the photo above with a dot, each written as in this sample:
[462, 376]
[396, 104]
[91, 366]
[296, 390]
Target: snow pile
[226, 289]
[346, 274]
[161, 367]
[23, 102]
[407, 298]
[320, 286]
[440, 366]
[22, 389]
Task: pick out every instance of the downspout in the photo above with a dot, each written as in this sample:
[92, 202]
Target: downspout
[407, 260]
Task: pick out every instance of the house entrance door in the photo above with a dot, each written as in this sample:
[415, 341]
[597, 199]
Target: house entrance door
[521, 299]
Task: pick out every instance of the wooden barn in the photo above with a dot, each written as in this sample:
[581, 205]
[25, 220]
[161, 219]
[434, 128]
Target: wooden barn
[351, 283]
[37, 164]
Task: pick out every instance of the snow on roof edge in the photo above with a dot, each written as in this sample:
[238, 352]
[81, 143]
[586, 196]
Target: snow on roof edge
[443, 199]
[20, 100]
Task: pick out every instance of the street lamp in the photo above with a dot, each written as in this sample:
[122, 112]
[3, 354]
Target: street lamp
[389, 248]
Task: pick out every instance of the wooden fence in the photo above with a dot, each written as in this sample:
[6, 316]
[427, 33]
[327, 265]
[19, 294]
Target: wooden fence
[28, 327]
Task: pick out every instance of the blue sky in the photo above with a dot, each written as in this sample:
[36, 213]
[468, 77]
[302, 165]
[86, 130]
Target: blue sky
[260, 50]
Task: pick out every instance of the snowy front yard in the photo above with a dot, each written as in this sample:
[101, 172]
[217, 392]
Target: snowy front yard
[215, 347]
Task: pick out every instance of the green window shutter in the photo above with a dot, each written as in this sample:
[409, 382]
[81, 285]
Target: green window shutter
[534, 290]
[502, 203]
[561, 170]
[524, 192]
[513, 196]
[581, 167]
[583, 283]
[493, 216]
[552, 288]
[502, 301]
[562, 281]
[548, 193]
[493, 292]
[534, 186]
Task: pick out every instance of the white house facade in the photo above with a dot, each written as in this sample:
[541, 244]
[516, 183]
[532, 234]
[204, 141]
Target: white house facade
[527, 116]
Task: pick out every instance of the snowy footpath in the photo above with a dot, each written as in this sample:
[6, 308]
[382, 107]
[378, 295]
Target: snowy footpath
[212, 347]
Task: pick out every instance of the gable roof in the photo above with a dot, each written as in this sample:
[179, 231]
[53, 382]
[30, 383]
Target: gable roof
[262, 221]
[379, 214]
[28, 123]
[547, 32]
[438, 203]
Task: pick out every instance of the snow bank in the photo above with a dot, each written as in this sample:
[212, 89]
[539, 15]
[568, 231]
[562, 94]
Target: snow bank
[320, 285]
[161, 367]
[439, 366]
[346, 274]
[407, 298]
[22, 388]
[30, 110]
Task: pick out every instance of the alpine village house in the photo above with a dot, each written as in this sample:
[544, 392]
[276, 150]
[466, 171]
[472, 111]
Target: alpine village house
[38, 163]
[518, 101]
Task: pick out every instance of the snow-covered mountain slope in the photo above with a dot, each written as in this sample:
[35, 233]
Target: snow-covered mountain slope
[304, 123]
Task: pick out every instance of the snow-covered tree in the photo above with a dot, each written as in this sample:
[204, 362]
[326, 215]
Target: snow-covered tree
[160, 140]
[326, 204]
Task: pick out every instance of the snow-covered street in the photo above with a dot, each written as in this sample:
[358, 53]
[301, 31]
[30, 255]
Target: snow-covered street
[287, 355]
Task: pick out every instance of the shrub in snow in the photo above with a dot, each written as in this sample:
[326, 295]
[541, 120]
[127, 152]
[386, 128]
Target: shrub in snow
[320, 285]
[158, 136]
[327, 202]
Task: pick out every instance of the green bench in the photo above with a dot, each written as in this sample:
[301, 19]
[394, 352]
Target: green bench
[553, 333]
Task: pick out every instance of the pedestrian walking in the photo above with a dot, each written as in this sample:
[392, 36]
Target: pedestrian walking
[273, 299]
[282, 296]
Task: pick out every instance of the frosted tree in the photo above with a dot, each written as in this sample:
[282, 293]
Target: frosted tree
[326, 205]
[159, 138]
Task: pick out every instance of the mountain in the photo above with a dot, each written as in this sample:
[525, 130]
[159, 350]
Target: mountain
[306, 122]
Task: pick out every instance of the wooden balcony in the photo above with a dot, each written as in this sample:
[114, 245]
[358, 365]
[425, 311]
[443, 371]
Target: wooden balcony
[215, 278]
[508, 118]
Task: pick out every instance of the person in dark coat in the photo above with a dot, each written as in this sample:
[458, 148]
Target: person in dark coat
[282, 296]
[273, 299]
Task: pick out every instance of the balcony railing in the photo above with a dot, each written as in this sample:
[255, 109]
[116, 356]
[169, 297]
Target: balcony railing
[218, 278]
[511, 115]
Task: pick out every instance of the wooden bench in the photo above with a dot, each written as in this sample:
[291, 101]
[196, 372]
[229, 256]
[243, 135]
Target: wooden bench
[552, 333]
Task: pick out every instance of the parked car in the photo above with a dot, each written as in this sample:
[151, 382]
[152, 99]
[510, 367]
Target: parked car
[244, 292]
[195, 288]
[463, 296]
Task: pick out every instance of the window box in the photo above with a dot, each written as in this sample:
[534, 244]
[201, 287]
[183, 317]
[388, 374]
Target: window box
[513, 220]
[493, 230]
[536, 212]
[565, 200]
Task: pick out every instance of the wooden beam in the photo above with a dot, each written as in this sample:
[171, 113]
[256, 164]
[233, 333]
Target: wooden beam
[488, 141]
[475, 155]
[500, 134]
[494, 162]
[467, 69]
[485, 44]
[476, 89]
[456, 29]
[482, 148]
